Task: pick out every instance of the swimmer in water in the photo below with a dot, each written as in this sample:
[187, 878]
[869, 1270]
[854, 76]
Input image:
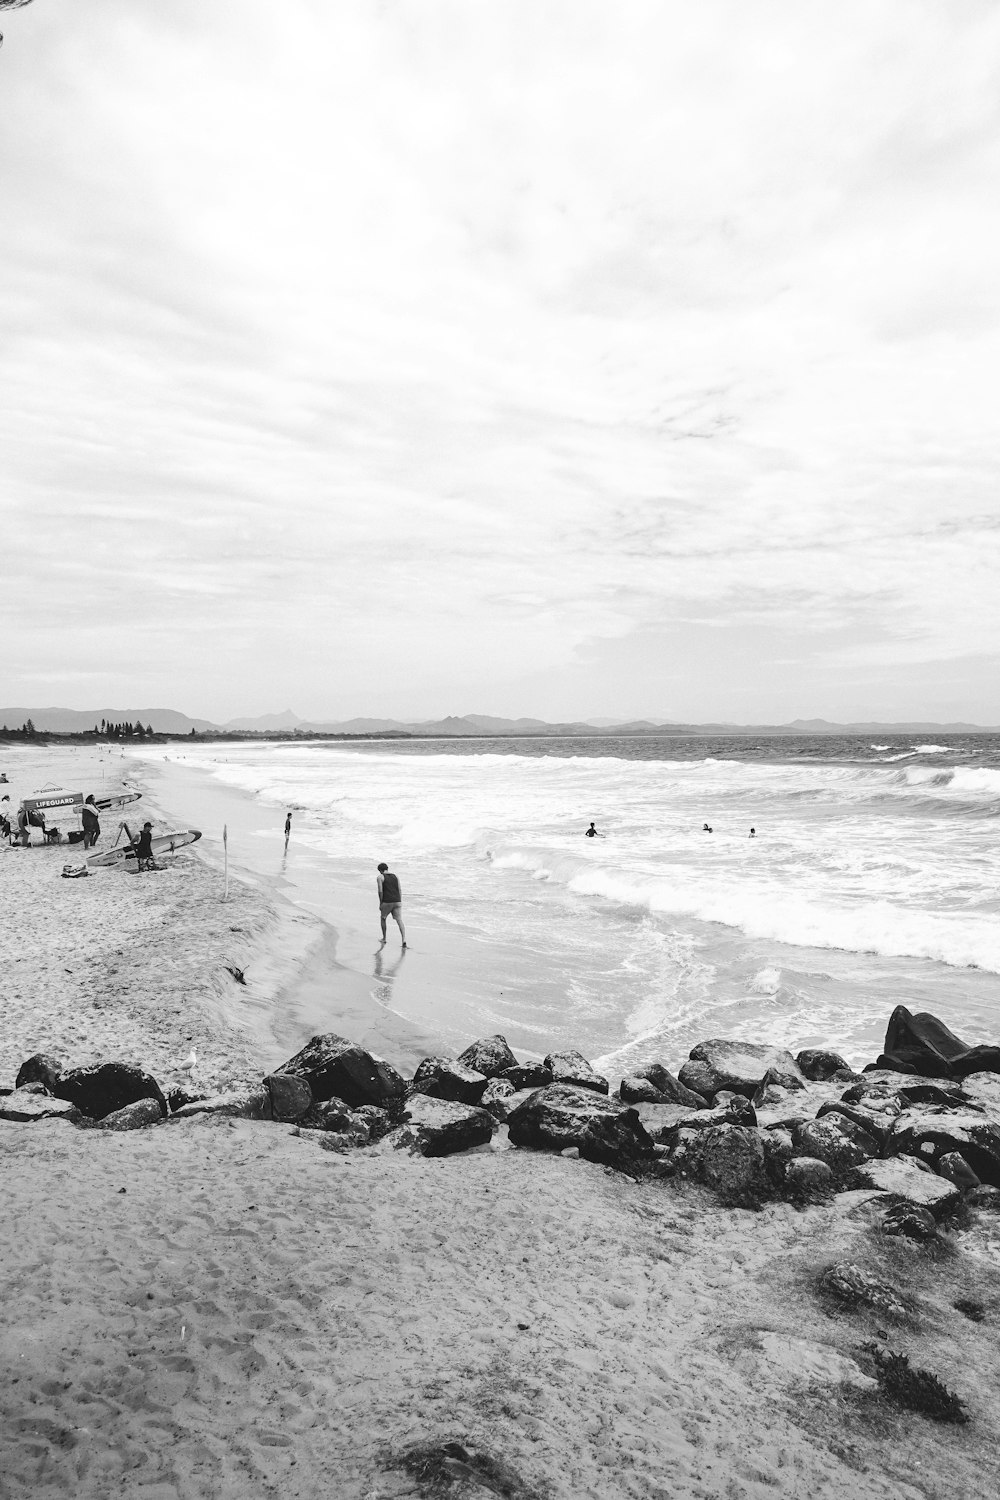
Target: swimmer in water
[592, 833]
[705, 828]
[753, 833]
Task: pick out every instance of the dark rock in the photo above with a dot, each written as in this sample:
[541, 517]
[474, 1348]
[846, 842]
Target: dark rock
[877, 1123]
[741, 1110]
[740, 1066]
[573, 1068]
[907, 1181]
[732, 1163]
[497, 1091]
[957, 1170]
[291, 1096]
[329, 1114]
[247, 1104]
[931, 1133]
[528, 1076]
[818, 1065]
[378, 1122]
[662, 1121]
[337, 1068]
[783, 1079]
[40, 1068]
[564, 1115]
[440, 1127]
[491, 1056]
[30, 1088]
[25, 1105]
[177, 1098]
[983, 1197]
[857, 1288]
[835, 1140]
[926, 1045]
[808, 1177]
[444, 1078]
[105, 1087]
[640, 1091]
[777, 1154]
[908, 1221]
[134, 1116]
[671, 1088]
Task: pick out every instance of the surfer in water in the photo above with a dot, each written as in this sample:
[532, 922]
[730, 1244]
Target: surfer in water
[390, 900]
[592, 833]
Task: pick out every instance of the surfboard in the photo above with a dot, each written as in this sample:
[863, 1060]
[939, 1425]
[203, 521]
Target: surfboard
[105, 804]
[161, 843]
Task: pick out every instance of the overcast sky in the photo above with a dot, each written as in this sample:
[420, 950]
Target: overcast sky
[501, 356]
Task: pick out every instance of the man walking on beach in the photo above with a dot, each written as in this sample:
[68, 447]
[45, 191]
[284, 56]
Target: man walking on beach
[390, 900]
[288, 829]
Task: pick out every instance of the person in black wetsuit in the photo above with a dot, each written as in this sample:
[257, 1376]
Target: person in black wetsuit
[144, 847]
[91, 823]
[390, 900]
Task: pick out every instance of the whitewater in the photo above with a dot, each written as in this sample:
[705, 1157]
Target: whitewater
[872, 878]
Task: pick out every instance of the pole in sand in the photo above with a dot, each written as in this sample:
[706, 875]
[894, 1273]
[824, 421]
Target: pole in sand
[225, 846]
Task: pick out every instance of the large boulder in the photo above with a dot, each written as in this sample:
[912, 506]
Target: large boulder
[836, 1140]
[291, 1096]
[440, 1127]
[40, 1068]
[818, 1065]
[498, 1092]
[573, 1068]
[740, 1066]
[564, 1115]
[489, 1056]
[134, 1116]
[808, 1177]
[922, 1044]
[105, 1087]
[445, 1078]
[242, 1104]
[930, 1133]
[663, 1121]
[877, 1122]
[528, 1076]
[906, 1182]
[640, 1091]
[732, 1163]
[338, 1069]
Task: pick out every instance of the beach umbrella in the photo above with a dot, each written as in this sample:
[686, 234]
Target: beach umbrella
[11, 5]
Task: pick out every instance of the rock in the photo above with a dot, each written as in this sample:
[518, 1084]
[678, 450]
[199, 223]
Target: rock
[671, 1088]
[926, 1045]
[24, 1105]
[909, 1222]
[248, 1104]
[783, 1079]
[835, 1140]
[134, 1116]
[291, 1096]
[177, 1098]
[876, 1122]
[956, 1169]
[983, 1197]
[329, 1114]
[528, 1076]
[662, 1121]
[809, 1177]
[857, 1288]
[740, 1066]
[337, 1068]
[564, 1115]
[932, 1133]
[574, 1069]
[732, 1163]
[497, 1091]
[907, 1182]
[491, 1056]
[440, 1127]
[640, 1091]
[378, 1122]
[740, 1108]
[777, 1154]
[39, 1068]
[818, 1065]
[105, 1087]
[444, 1078]
[981, 1090]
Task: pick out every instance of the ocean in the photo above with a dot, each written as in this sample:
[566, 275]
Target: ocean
[873, 879]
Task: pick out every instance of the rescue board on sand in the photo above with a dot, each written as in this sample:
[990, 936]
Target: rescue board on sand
[106, 804]
[161, 843]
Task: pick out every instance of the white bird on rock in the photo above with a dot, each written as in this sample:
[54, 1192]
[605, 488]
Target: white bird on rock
[190, 1063]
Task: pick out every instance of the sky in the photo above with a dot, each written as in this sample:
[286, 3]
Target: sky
[416, 357]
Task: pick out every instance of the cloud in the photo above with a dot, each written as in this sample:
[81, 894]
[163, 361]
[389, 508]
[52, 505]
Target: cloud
[369, 345]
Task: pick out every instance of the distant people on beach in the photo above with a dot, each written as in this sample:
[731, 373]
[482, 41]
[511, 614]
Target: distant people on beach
[288, 829]
[91, 823]
[390, 900]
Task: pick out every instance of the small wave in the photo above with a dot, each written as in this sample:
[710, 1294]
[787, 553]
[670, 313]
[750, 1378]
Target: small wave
[765, 982]
[935, 750]
[880, 747]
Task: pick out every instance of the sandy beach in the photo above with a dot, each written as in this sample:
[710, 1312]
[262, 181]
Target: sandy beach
[224, 1308]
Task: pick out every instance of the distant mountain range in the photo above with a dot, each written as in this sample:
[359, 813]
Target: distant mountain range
[169, 721]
